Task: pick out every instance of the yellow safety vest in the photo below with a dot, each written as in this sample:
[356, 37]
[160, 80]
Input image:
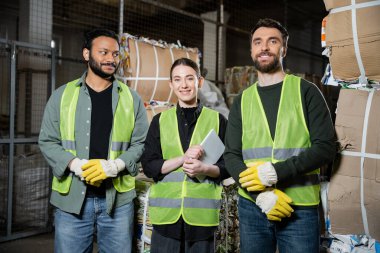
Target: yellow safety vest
[123, 124]
[177, 194]
[291, 138]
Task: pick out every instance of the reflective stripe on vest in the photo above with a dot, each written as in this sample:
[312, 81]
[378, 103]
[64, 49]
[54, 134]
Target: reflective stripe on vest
[123, 124]
[176, 194]
[187, 203]
[278, 154]
[291, 138]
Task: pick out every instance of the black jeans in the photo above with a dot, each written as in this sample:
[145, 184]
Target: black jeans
[162, 244]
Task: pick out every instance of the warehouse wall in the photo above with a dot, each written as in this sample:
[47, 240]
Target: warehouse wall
[297, 61]
[308, 40]
[69, 65]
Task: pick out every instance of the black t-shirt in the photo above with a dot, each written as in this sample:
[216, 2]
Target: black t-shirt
[101, 126]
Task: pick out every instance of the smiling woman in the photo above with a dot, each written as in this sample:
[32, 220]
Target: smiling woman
[185, 80]
[183, 209]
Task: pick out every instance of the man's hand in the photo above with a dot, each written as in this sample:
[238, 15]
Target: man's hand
[76, 166]
[275, 203]
[258, 176]
[194, 152]
[99, 169]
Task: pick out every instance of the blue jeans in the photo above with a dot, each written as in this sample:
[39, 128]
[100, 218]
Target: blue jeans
[74, 233]
[297, 234]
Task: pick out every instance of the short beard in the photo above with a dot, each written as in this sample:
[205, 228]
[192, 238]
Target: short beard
[268, 68]
[97, 68]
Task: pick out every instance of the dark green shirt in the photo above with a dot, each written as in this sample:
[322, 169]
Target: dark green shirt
[318, 120]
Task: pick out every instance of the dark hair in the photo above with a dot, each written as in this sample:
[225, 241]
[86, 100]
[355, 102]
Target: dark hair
[93, 34]
[271, 23]
[186, 62]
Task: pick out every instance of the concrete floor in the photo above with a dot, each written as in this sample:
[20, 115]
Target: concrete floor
[38, 243]
[42, 243]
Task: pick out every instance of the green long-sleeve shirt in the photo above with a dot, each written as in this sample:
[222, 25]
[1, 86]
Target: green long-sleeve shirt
[318, 120]
[58, 158]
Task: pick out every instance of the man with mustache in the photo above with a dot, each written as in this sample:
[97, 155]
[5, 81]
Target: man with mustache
[279, 134]
[92, 136]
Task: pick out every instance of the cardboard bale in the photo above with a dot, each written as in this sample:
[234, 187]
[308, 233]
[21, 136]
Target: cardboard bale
[331, 4]
[339, 37]
[344, 194]
[153, 62]
[237, 79]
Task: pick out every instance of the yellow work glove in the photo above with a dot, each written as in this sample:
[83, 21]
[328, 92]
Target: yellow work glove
[275, 204]
[96, 170]
[258, 176]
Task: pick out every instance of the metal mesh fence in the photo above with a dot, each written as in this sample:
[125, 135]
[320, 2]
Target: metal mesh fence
[161, 21]
[75, 15]
[170, 21]
[24, 173]
[33, 75]
[31, 184]
[31, 192]
[4, 90]
[3, 187]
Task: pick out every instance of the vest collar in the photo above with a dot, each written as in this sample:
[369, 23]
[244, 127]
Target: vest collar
[197, 111]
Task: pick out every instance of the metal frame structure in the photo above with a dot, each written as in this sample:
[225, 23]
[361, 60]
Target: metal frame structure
[12, 140]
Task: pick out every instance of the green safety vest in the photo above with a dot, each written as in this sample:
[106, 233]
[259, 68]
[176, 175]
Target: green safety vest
[176, 194]
[291, 138]
[123, 124]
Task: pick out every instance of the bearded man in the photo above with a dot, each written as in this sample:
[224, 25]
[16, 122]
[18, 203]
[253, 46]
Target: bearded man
[279, 134]
[92, 135]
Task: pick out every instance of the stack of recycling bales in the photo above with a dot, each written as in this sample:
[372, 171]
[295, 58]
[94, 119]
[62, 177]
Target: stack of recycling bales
[351, 35]
[143, 227]
[352, 41]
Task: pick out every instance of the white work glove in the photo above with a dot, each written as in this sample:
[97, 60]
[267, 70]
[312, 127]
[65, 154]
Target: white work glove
[275, 204]
[258, 176]
[116, 165]
[267, 174]
[76, 166]
[100, 169]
